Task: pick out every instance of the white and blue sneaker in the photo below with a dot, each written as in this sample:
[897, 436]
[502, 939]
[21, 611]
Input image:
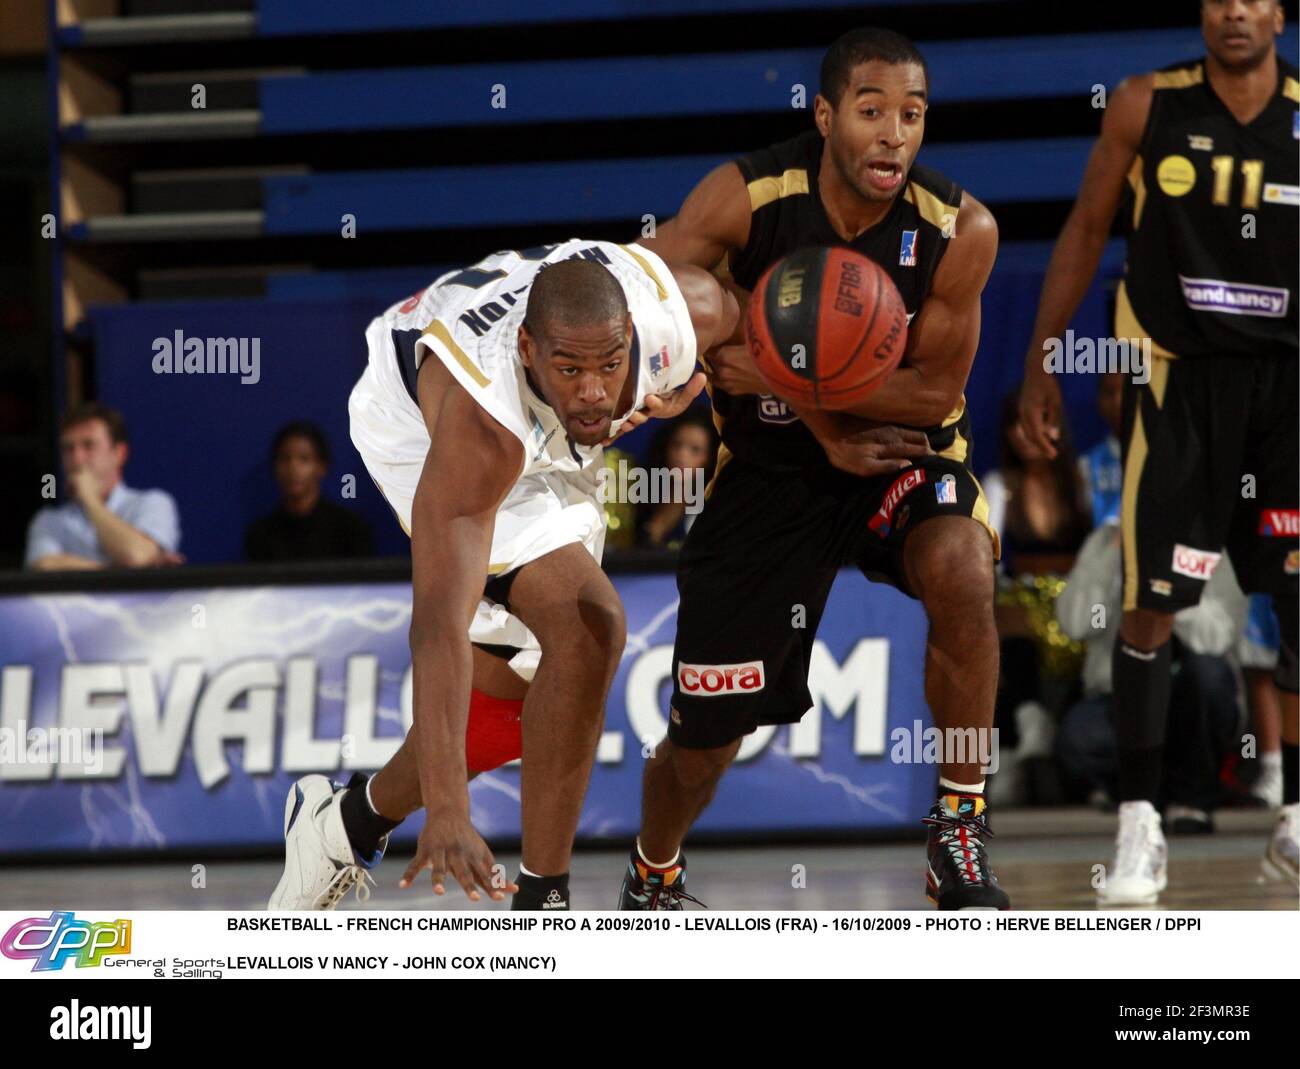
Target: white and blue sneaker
[320, 866]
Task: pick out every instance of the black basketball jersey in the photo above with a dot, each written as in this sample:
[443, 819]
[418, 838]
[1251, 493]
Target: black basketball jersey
[1213, 249]
[788, 214]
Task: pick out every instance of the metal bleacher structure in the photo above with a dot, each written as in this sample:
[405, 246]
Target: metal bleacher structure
[258, 186]
[214, 149]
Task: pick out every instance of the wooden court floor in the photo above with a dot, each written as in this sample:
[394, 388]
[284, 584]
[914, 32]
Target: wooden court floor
[1044, 858]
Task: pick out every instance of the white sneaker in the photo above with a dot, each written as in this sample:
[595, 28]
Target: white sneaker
[320, 866]
[1280, 861]
[1268, 788]
[1140, 871]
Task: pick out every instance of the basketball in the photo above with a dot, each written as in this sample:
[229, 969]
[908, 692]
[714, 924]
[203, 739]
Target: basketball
[825, 327]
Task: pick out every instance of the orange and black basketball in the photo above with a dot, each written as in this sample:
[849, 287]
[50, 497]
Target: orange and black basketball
[825, 327]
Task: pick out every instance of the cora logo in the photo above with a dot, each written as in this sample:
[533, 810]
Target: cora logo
[51, 941]
[1195, 563]
[710, 680]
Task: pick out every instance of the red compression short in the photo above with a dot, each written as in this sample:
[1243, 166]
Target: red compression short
[493, 736]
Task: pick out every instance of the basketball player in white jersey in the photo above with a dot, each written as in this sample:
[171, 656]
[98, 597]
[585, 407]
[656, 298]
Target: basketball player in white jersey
[489, 454]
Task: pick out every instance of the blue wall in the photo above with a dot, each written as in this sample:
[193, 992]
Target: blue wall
[206, 438]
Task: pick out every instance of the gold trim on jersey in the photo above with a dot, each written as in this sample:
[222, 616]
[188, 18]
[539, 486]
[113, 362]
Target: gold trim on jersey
[955, 414]
[718, 420]
[931, 208]
[645, 266]
[1137, 458]
[497, 569]
[1291, 90]
[1138, 183]
[440, 333]
[763, 191]
[980, 514]
[1127, 325]
[957, 449]
[724, 455]
[1180, 79]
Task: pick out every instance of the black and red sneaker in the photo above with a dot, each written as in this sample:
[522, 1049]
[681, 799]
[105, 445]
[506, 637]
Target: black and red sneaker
[647, 888]
[958, 874]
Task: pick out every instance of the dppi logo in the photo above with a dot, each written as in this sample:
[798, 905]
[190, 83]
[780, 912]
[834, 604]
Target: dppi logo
[60, 937]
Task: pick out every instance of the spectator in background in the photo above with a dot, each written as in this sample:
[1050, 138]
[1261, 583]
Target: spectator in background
[103, 523]
[1204, 718]
[1038, 507]
[688, 444]
[1257, 654]
[305, 526]
[1100, 467]
[620, 514]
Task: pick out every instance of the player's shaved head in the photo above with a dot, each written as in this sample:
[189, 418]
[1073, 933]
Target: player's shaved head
[865, 45]
[575, 344]
[573, 293]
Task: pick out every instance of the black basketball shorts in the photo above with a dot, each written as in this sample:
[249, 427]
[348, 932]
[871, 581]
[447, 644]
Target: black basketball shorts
[757, 567]
[1211, 461]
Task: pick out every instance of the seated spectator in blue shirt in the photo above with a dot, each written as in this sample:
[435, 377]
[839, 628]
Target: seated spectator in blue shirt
[104, 523]
[1101, 467]
[306, 525]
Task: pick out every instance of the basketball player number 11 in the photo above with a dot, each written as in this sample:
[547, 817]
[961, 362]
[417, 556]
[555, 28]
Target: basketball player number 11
[1251, 170]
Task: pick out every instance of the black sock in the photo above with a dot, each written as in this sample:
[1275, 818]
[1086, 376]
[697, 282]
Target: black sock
[364, 826]
[1290, 773]
[541, 892]
[1140, 695]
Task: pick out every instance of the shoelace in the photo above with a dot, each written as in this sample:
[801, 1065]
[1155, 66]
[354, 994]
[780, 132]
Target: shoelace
[674, 895]
[970, 868]
[344, 880]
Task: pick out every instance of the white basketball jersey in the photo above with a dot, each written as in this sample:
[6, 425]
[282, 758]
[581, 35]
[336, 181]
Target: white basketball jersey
[469, 319]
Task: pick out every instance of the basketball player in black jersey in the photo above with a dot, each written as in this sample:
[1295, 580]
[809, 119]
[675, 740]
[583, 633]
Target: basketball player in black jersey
[1211, 453]
[789, 504]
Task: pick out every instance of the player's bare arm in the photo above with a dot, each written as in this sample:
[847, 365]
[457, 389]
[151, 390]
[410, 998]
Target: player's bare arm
[1077, 253]
[929, 382]
[471, 464]
[943, 338]
[714, 219]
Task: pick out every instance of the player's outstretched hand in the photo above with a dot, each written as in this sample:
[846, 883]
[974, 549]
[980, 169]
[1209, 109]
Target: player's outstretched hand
[1039, 429]
[878, 450]
[449, 845]
[656, 406]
